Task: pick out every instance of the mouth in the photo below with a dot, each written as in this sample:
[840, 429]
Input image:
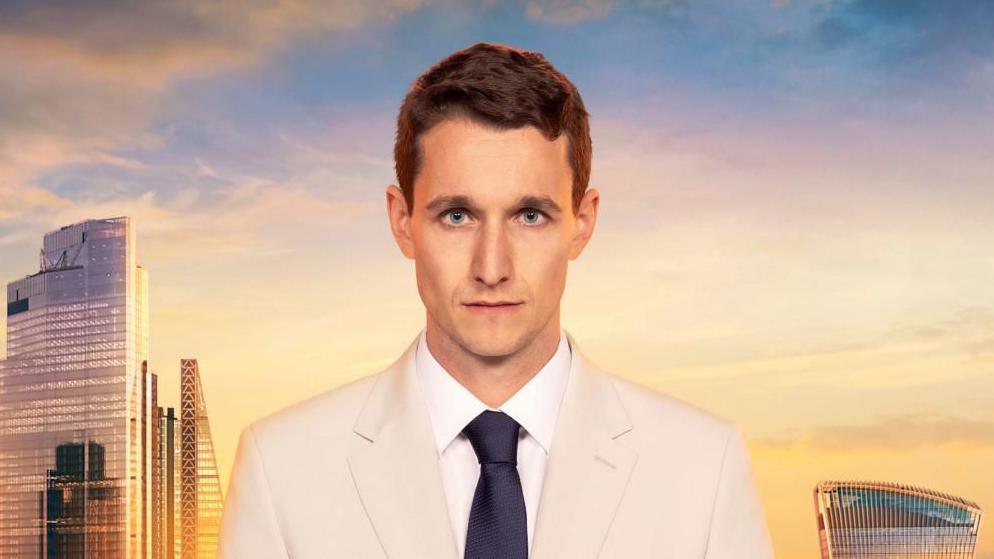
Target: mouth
[491, 307]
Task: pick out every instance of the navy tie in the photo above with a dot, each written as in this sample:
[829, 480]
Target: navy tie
[498, 527]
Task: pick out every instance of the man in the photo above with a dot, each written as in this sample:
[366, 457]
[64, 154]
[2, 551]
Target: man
[492, 436]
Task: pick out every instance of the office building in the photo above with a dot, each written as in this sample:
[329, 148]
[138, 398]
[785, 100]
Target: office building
[200, 487]
[867, 519]
[167, 542]
[75, 400]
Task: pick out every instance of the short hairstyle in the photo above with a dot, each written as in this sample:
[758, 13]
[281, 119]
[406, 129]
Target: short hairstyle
[499, 87]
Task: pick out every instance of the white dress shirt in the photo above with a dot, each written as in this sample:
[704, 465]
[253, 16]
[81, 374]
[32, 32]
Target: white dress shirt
[535, 406]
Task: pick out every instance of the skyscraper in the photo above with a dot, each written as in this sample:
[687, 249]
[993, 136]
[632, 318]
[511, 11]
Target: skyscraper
[75, 400]
[200, 493]
[877, 519]
[166, 521]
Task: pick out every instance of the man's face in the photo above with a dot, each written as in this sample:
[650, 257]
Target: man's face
[491, 233]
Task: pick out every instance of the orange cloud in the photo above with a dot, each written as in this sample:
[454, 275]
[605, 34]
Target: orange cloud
[900, 432]
[79, 84]
[154, 42]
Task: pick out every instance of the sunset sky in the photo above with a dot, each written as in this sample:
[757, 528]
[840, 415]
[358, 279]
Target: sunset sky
[796, 227]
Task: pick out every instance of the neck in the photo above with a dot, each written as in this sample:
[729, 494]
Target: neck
[493, 379]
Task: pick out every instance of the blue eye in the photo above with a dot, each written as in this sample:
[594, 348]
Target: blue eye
[532, 216]
[458, 216]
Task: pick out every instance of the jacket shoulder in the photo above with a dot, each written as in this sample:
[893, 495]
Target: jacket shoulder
[668, 419]
[330, 412]
[696, 494]
[289, 466]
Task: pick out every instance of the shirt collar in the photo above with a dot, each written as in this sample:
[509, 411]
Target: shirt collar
[451, 406]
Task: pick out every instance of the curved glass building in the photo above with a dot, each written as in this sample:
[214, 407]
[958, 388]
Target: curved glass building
[859, 519]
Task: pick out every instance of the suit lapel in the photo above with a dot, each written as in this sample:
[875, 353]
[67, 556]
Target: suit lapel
[396, 469]
[588, 469]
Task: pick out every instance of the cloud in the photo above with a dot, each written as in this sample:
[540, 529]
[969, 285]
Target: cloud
[247, 217]
[83, 81]
[970, 330]
[920, 33]
[898, 432]
[54, 113]
[156, 41]
[17, 201]
[564, 12]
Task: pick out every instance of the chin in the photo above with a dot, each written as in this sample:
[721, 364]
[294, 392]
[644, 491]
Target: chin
[491, 344]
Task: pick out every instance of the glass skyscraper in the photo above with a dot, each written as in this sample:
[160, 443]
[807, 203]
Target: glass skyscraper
[880, 520]
[75, 400]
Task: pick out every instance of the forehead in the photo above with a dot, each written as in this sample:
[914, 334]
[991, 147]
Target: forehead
[462, 157]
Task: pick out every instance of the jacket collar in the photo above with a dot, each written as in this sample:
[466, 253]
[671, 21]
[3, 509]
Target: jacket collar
[395, 468]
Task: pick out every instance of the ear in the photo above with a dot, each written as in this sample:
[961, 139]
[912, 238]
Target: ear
[400, 220]
[586, 219]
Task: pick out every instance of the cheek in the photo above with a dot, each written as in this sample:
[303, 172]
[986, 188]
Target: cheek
[543, 265]
[438, 268]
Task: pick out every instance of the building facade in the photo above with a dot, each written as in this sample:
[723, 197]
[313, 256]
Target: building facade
[167, 542]
[866, 519]
[75, 400]
[201, 498]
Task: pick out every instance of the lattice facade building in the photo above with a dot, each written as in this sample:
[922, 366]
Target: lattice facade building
[201, 497]
[867, 519]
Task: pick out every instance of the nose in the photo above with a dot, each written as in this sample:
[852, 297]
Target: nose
[493, 255]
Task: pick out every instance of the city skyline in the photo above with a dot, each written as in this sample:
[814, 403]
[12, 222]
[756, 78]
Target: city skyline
[90, 464]
[796, 206]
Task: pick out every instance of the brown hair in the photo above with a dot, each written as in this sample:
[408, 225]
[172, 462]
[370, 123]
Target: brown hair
[499, 87]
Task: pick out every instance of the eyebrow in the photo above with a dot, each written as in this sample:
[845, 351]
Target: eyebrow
[544, 203]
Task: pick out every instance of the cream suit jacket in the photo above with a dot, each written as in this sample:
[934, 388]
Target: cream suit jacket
[353, 473]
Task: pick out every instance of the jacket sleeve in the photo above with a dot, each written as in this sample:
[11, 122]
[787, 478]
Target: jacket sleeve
[249, 525]
[738, 524]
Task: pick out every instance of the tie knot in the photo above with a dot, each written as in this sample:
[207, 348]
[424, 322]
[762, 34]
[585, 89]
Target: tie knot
[494, 436]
